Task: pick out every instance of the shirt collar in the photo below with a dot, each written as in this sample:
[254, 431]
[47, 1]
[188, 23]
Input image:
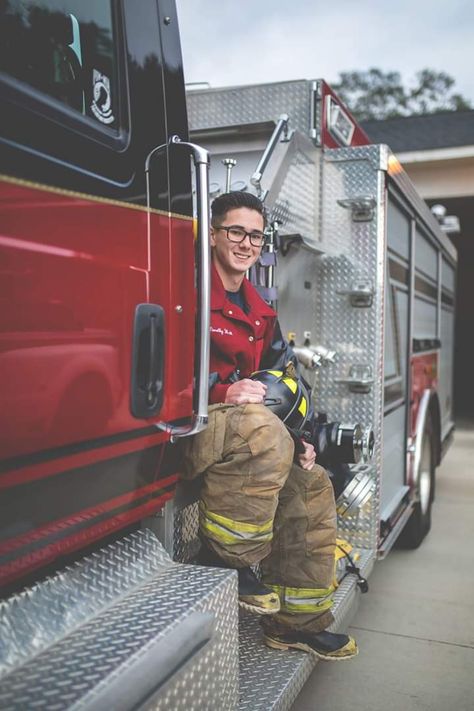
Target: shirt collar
[251, 296]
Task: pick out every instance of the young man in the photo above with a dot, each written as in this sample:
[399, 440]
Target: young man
[260, 504]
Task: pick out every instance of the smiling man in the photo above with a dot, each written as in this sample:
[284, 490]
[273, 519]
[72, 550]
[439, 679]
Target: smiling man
[260, 503]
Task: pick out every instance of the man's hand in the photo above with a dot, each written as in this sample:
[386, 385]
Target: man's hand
[308, 458]
[245, 391]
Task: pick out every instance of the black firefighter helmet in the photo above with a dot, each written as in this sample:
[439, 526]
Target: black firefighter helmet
[286, 395]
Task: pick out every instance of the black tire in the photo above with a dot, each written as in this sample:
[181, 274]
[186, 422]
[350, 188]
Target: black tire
[419, 523]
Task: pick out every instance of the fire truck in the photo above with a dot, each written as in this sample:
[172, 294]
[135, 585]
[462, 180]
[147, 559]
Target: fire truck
[105, 347]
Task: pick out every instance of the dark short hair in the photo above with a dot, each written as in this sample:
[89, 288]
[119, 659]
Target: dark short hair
[230, 201]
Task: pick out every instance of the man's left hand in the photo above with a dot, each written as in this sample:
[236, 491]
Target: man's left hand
[308, 458]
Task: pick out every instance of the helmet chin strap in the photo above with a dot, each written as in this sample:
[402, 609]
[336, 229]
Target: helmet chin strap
[290, 371]
[272, 401]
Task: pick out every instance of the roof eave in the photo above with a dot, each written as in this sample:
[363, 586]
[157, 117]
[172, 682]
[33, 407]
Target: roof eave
[436, 154]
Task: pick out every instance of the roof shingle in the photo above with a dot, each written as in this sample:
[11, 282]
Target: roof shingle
[417, 133]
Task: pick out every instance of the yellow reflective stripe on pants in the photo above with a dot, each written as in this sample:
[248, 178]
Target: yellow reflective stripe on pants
[304, 600]
[226, 530]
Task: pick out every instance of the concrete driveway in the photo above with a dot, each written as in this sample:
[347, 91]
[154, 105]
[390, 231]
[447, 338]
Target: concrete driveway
[415, 626]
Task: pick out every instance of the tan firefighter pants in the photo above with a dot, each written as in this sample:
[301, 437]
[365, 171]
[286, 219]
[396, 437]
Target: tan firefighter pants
[258, 507]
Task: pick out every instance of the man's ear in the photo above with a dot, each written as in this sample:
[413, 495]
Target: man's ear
[212, 235]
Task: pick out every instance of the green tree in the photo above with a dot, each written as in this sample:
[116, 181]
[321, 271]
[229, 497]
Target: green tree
[374, 94]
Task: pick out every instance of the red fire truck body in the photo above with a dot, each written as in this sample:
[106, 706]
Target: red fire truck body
[81, 248]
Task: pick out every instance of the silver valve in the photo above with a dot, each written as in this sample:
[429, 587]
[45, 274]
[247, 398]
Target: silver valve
[307, 357]
[313, 357]
[326, 354]
[229, 164]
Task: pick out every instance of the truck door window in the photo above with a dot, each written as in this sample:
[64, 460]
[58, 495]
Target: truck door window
[64, 49]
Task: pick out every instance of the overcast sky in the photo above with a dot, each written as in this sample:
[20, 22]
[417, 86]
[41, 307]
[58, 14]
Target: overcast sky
[229, 42]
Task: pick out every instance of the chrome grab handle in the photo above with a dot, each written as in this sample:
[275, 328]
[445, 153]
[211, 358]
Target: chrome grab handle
[281, 127]
[201, 371]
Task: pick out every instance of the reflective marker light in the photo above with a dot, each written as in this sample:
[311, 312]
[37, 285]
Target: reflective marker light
[338, 122]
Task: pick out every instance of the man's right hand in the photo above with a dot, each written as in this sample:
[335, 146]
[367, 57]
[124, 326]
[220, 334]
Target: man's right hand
[245, 391]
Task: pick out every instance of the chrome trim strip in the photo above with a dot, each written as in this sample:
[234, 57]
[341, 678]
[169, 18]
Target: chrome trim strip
[409, 471]
[439, 295]
[398, 527]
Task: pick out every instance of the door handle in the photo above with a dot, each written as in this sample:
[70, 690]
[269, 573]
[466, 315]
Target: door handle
[148, 359]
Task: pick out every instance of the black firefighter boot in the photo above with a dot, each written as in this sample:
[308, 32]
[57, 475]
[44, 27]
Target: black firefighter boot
[253, 595]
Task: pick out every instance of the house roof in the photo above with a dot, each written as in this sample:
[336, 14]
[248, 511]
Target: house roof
[416, 133]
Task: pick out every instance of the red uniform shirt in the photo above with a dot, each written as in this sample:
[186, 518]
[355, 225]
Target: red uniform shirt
[238, 339]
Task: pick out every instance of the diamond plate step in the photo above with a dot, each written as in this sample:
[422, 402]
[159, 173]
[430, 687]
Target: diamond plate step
[125, 628]
[106, 633]
[270, 680]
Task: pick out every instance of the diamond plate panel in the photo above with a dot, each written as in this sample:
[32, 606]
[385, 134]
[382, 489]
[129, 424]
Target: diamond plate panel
[269, 678]
[214, 108]
[211, 681]
[102, 646]
[356, 333]
[296, 204]
[38, 617]
[311, 299]
[186, 528]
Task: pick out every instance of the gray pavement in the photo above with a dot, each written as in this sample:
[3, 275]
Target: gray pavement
[415, 627]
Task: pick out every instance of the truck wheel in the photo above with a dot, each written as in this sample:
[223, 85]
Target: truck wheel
[419, 522]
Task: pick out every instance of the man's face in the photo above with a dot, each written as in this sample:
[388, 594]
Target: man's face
[232, 258]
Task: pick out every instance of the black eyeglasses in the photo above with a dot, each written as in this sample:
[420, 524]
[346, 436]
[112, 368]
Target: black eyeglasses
[238, 234]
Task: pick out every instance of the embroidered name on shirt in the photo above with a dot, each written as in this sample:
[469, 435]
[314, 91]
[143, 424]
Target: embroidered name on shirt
[222, 331]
